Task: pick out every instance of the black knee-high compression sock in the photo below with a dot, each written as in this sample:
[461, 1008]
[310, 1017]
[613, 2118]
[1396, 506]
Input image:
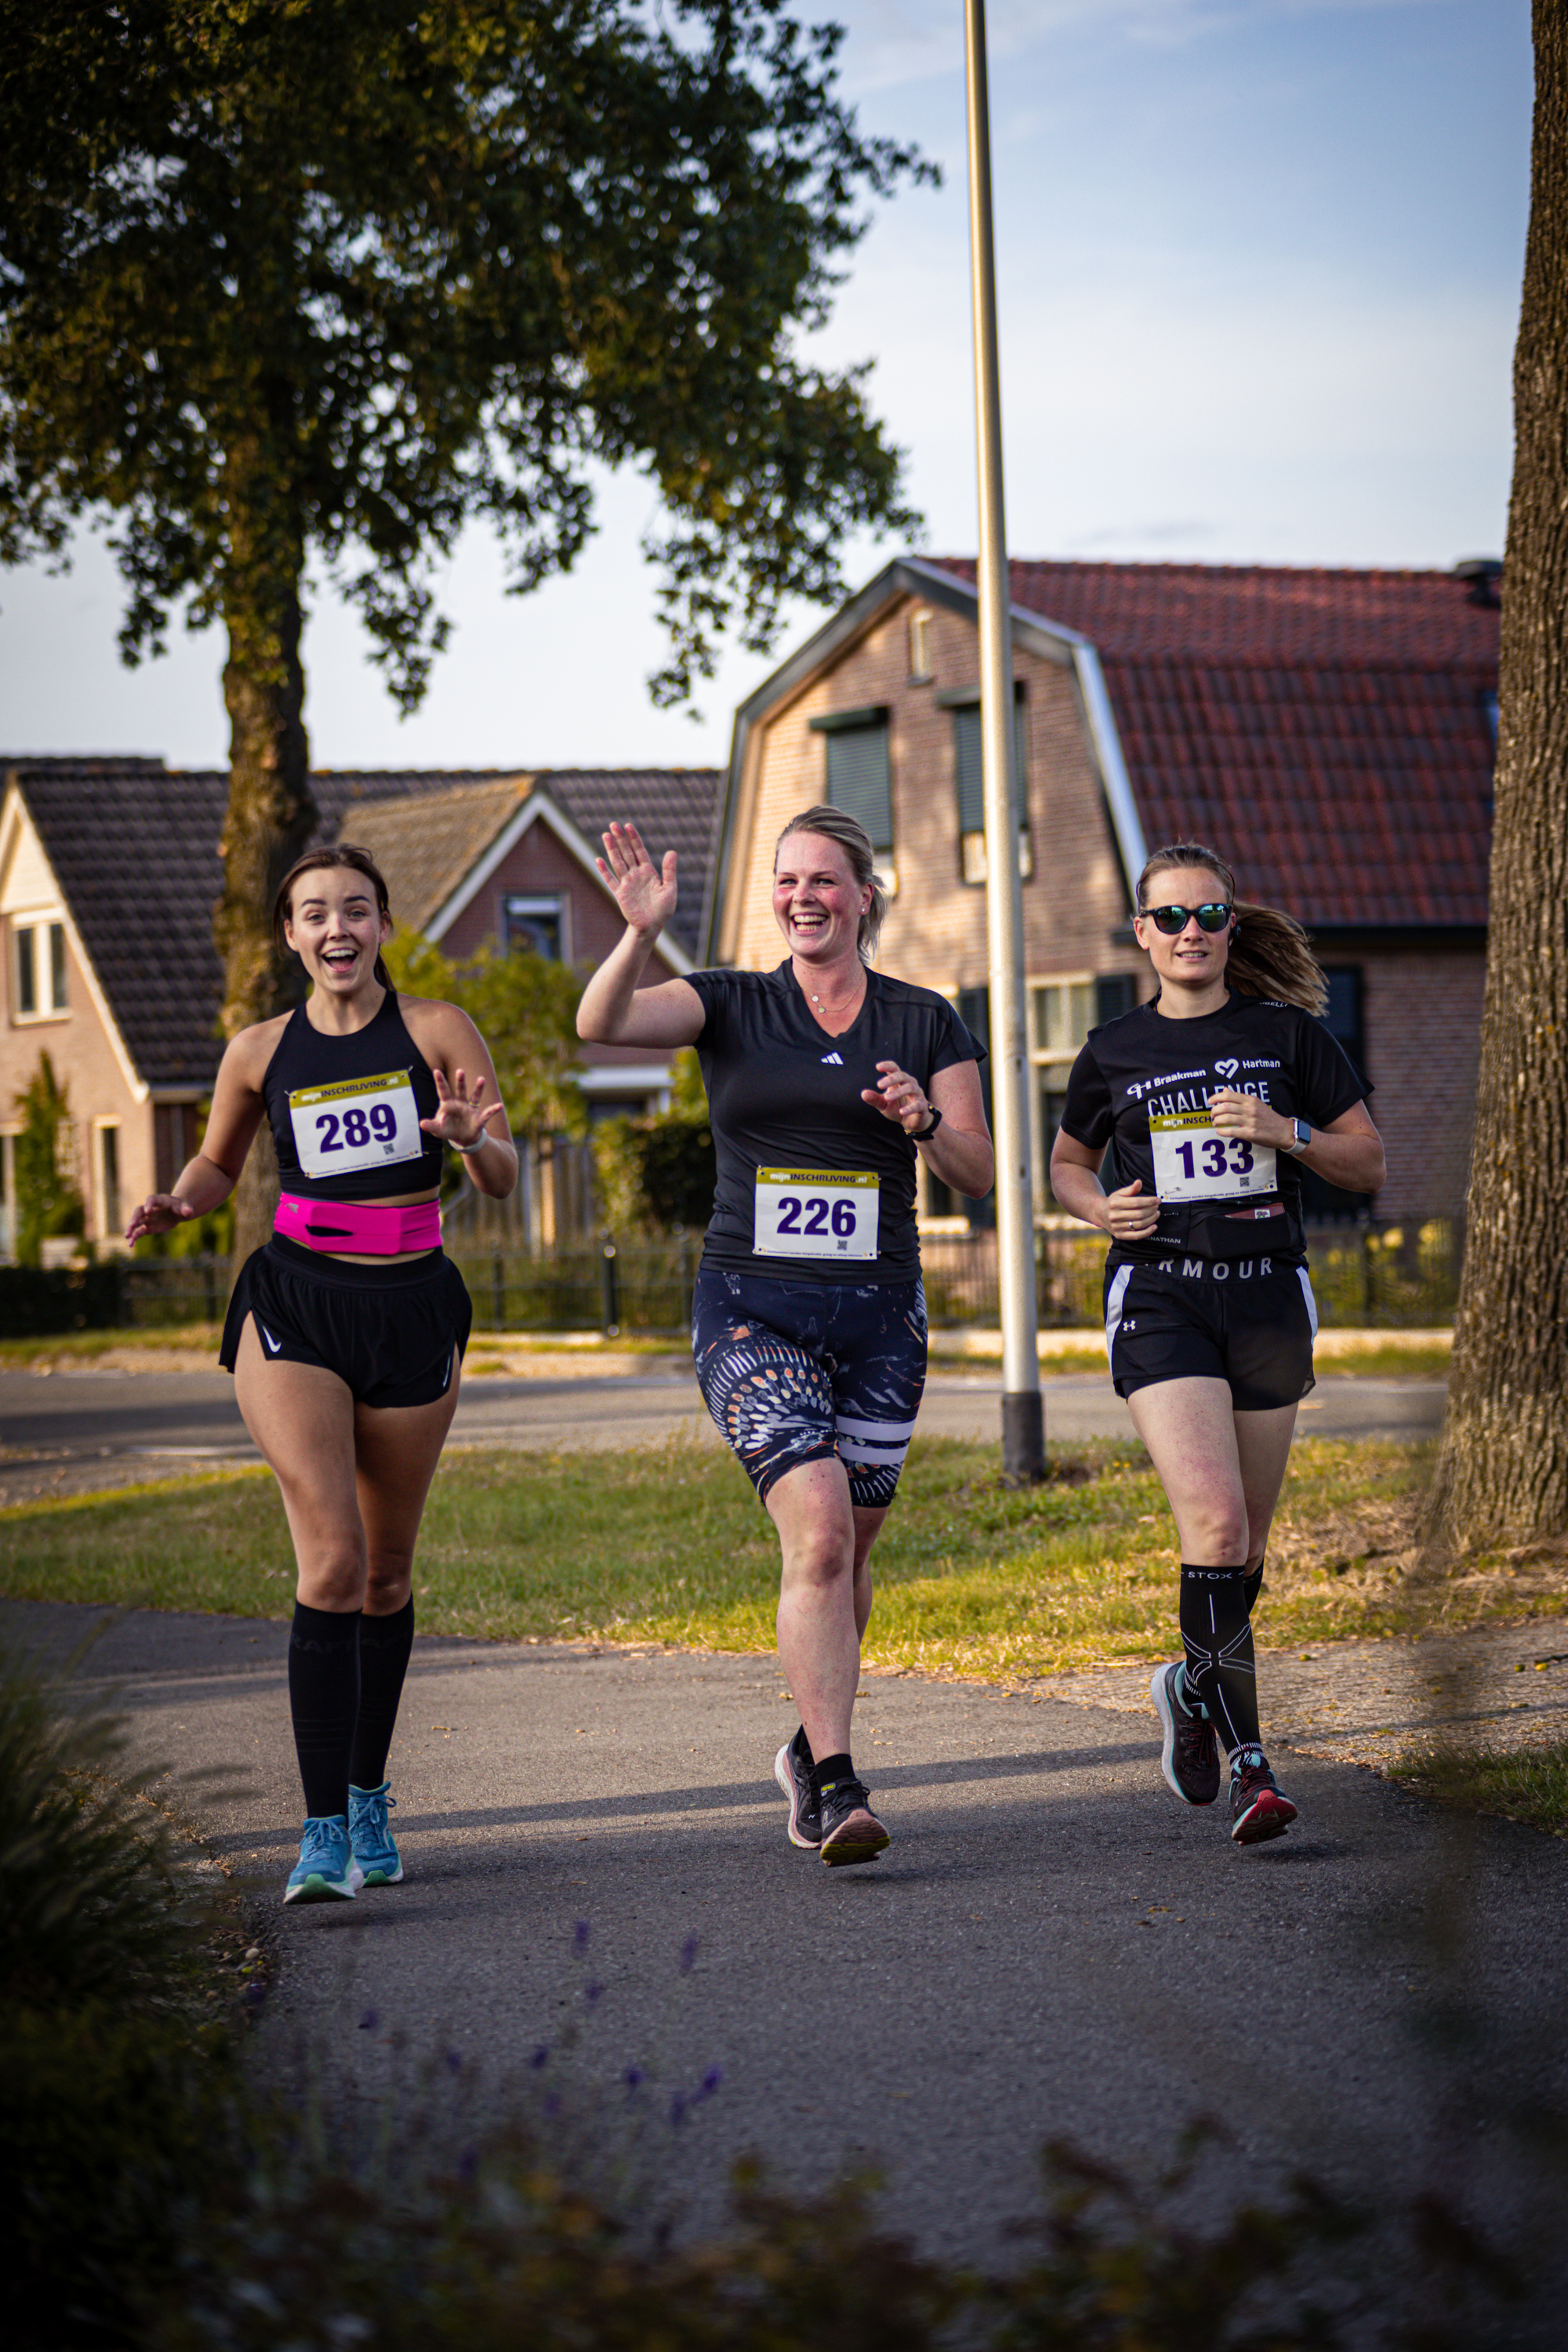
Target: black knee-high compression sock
[1217, 1637]
[384, 1644]
[323, 1697]
[1254, 1582]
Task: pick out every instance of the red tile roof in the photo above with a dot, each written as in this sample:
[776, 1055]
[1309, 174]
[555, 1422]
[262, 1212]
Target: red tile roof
[1326, 732]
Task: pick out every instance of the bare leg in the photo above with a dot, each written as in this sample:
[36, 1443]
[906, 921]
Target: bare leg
[302, 1418]
[1222, 1470]
[396, 1449]
[1263, 1449]
[819, 1641]
[867, 1528]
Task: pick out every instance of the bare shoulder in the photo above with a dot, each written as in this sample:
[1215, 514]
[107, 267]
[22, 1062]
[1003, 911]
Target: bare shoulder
[437, 1027]
[248, 1052]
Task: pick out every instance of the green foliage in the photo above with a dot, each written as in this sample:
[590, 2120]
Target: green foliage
[48, 1201]
[524, 1007]
[660, 1172]
[93, 1901]
[114, 2107]
[349, 274]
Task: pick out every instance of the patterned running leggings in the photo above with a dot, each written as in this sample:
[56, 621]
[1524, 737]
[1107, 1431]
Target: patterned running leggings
[811, 1371]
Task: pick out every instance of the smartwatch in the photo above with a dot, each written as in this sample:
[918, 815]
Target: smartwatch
[927, 1132]
[1303, 1137]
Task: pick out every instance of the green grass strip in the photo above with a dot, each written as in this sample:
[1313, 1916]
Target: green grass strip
[666, 1544]
[1527, 1784]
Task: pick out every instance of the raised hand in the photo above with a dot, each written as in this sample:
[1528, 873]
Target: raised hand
[459, 1118]
[159, 1213]
[644, 893]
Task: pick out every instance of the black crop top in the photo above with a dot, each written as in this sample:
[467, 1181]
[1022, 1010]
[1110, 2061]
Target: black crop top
[345, 1111]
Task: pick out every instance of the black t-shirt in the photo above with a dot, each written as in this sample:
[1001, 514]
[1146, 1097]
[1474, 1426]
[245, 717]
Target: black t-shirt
[1227, 1204]
[783, 1094]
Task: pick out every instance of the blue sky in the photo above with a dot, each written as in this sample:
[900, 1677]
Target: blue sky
[1258, 265]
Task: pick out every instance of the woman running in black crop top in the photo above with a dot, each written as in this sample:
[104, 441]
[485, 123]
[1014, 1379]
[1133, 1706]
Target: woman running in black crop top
[345, 1333]
[1207, 1095]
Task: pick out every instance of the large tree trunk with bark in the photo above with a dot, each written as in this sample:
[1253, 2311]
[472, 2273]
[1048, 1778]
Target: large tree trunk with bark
[272, 812]
[1502, 1472]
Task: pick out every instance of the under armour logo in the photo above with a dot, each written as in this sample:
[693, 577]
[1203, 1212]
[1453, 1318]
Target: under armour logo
[837, 1060]
[274, 1344]
[1228, 1068]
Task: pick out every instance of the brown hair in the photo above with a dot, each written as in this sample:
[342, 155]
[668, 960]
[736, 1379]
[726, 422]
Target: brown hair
[358, 861]
[838, 825]
[1270, 954]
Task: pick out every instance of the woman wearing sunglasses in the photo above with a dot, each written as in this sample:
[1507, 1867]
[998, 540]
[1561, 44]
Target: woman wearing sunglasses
[1211, 1096]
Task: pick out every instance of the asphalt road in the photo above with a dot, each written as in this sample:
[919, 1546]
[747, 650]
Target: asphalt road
[1052, 1944]
[77, 1418]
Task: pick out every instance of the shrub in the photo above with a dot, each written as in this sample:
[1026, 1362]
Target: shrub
[48, 1201]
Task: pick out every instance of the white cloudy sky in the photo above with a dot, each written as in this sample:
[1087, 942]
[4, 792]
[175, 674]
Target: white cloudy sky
[1258, 265]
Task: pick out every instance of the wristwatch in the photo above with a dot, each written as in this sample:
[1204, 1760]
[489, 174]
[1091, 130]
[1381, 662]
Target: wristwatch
[927, 1132]
[1303, 1137]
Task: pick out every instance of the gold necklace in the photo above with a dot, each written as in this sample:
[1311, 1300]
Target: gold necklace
[832, 1008]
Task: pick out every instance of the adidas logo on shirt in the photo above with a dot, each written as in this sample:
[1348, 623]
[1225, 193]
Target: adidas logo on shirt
[835, 1059]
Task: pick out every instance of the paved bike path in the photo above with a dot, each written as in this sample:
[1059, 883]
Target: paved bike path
[1051, 1945]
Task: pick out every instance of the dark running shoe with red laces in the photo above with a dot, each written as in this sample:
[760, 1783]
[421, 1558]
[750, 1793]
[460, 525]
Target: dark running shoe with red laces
[792, 1771]
[1259, 1808]
[850, 1830]
[1190, 1756]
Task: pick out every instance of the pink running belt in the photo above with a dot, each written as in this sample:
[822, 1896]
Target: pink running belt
[355, 1226]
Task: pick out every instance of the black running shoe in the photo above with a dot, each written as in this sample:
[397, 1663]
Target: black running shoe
[1259, 1808]
[850, 1830]
[792, 1771]
[1190, 1757]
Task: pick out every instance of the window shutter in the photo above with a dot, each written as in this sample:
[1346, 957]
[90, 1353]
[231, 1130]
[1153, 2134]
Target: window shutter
[967, 762]
[857, 778]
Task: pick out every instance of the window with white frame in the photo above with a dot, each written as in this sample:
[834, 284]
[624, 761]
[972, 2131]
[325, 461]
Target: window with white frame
[38, 969]
[536, 920]
[110, 1220]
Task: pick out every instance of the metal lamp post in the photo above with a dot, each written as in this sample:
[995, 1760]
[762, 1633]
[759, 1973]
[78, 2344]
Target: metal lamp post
[1023, 1414]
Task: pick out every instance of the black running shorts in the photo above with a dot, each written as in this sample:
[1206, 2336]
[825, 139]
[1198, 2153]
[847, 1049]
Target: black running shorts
[393, 1334]
[1249, 1323]
[812, 1371]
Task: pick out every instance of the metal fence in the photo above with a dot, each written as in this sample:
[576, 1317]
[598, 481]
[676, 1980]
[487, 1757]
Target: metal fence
[1362, 1275]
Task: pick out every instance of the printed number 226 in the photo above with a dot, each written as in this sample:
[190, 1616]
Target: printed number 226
[1214, 1152]
[357, 1128]
[816, 1215]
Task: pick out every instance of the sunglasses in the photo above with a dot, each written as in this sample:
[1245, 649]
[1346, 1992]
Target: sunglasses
[1173, 920]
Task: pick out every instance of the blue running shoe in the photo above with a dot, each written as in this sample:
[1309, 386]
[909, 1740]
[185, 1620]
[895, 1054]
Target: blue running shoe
[326, 1871]
[375, 1848]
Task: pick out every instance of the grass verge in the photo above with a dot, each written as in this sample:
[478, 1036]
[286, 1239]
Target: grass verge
[1527, 1784]
[668, 1546]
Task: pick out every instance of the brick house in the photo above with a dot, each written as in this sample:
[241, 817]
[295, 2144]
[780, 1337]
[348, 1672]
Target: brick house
[108, 873]
[1330, 733]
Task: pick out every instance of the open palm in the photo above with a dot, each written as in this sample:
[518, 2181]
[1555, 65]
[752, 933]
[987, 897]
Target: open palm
[644, 893]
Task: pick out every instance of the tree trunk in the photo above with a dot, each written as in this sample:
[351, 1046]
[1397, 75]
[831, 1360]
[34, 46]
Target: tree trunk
[1503, 1470]
[272, 812]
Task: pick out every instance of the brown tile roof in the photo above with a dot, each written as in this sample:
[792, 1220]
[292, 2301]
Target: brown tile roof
[672, 808]
[1326, 732]
[134, 847]
[426, 843]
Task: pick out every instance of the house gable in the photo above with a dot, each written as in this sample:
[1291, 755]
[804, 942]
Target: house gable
[907, 585]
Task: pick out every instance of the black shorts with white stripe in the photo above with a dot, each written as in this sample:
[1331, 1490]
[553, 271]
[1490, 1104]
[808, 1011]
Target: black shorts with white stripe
[1246, 1322]
[394, 1334]
[812, 1371]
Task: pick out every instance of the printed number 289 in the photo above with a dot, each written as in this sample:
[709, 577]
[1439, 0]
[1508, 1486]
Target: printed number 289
[357, 1128]
[817, 1216]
